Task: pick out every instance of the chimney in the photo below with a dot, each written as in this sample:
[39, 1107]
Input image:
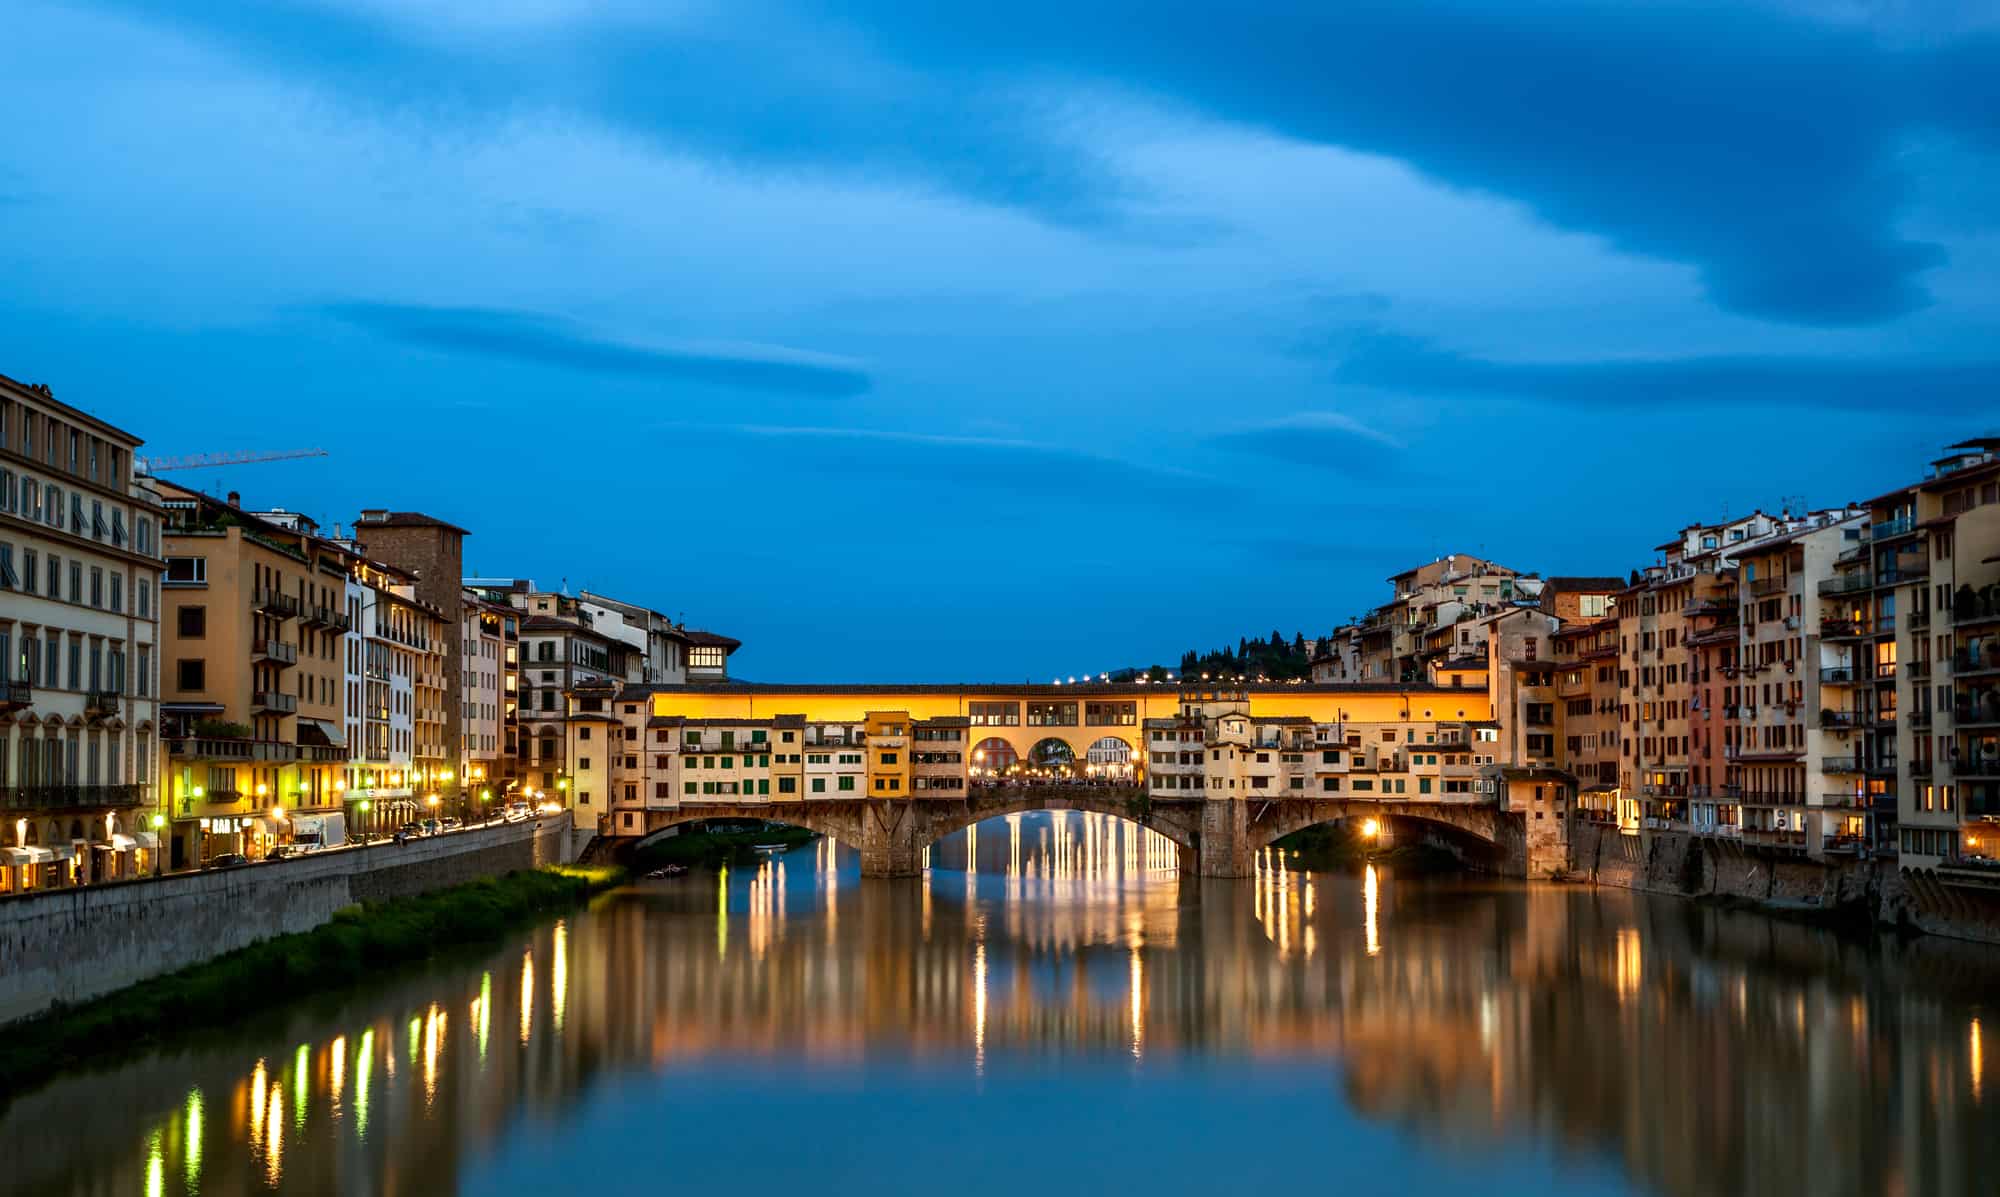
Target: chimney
[235, 500]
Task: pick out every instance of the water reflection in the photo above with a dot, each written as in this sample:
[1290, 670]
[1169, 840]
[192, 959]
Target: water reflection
[1655, 1046]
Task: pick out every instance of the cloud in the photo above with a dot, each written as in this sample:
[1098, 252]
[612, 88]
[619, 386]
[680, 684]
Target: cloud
[950, 465]
[1321, 440]
[550, 341]
[1414, 367]
[1758, 145]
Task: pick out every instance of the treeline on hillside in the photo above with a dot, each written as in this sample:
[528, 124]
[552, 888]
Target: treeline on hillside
[1276, 658]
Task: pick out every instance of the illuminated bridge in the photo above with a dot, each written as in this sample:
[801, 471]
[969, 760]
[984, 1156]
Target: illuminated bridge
[1222, 772]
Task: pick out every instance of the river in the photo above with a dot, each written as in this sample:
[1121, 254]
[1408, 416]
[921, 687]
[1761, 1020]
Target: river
[1056, 1009]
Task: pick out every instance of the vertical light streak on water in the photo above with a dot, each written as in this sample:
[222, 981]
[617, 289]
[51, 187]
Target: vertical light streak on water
[336, 1065]
[484, 1008]
[433, 1034]
[258, 1083]
[527, 995]
[156, 1165]
[191, 1142]
[979, 1008]
[559, 974]
[1138, 1005]
[301, 1078]
[364, 1067]
[1370, 898]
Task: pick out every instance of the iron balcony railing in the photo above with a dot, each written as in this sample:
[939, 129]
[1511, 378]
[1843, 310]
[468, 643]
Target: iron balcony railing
[15, 695]
[70, 797]
[1846, 583]
[276, 652]
[272, 602]
[274, 700]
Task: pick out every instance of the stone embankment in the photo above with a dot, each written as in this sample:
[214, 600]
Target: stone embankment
[1874, 891]
[67, 946]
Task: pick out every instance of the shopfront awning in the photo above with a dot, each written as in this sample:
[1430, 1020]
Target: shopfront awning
[148, 840]
[16, 857]
[120, 842]
[320, 733]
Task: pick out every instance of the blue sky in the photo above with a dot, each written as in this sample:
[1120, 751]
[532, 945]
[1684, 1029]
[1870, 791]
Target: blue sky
[964, 341]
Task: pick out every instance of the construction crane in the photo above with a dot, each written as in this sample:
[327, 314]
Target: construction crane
[202, 461]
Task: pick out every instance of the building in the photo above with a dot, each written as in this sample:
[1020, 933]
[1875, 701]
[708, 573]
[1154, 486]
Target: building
[80, 569]
[398, 754]
[430, 552]
[1922, 597]
[658, 646]
[252, 686]
[488, 675]
[1787, 735]
[1587, 724]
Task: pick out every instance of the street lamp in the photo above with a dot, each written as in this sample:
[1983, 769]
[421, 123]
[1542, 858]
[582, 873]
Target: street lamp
[159, 822]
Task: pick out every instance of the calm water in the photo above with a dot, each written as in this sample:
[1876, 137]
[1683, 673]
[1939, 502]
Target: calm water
[1071, 1015]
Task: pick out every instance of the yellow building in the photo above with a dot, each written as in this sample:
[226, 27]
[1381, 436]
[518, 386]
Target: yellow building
[252, 676]
[888, 754]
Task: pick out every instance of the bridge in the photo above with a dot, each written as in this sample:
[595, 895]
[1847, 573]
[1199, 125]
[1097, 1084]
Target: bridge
[1217, 837]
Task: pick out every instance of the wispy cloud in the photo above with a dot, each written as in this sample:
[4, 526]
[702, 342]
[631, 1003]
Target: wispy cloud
[552, 341]
[1417, 367]
[1034, 471]
[1321, 440]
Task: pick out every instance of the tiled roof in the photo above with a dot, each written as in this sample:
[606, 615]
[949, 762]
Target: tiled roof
[406, 519]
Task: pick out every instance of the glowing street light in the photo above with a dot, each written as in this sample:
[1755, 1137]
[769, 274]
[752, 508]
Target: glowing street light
[1371, 828]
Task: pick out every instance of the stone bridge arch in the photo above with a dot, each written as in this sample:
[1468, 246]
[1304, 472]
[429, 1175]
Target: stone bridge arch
[842, 822]
[1182, 826]
[1274, 821]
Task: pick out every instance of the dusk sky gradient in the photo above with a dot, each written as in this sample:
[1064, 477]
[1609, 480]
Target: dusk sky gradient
[996, 342]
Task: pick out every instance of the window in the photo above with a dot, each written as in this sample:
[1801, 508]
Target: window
[187, 571]
[819, 785]
[846, 783]
[994, 714]
[1052, 714]
[193, 675]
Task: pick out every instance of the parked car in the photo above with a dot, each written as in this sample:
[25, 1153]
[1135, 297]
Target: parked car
[516, 811]
[226, 860]
[451, 823]
[430, 827]
[411, 827]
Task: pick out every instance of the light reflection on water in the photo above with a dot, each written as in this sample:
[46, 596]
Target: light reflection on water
[1054, 969]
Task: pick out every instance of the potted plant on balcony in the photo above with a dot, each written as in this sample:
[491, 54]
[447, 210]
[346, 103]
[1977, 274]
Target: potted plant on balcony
[220, 729]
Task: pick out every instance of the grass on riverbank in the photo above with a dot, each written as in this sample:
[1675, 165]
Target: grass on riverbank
[355, 943]
[714, 846]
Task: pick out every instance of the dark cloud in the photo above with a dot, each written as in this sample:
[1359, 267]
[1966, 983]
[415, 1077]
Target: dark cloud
[546, 341]
[1753, 144]
[1940, 388]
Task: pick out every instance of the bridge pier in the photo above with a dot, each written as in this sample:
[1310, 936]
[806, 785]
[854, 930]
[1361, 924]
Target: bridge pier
[1223, 847]
[892, 838]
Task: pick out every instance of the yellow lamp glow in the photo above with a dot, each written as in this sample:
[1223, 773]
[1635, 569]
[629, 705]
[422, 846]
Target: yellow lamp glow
[1371, 828]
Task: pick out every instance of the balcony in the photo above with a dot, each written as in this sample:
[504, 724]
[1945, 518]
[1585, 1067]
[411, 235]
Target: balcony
[1768, 586]
[275, 652]
[15, 696]
[1976, 609]
[1899, 526]
[1844, 629]
[339, 624]
[1976, 714]
[1840, 764]
[79, 798]
[1967, 662]
[276, 604]
[1766, 838]
[1918, 670]
[315, 616]
[1882, 766]
[1846, 583]
[1839, 675]
[100, 704]
[274, 702]
[1831, 720]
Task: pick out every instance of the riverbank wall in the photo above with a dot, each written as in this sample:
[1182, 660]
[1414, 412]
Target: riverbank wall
[67, 946]
[1722, 870]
